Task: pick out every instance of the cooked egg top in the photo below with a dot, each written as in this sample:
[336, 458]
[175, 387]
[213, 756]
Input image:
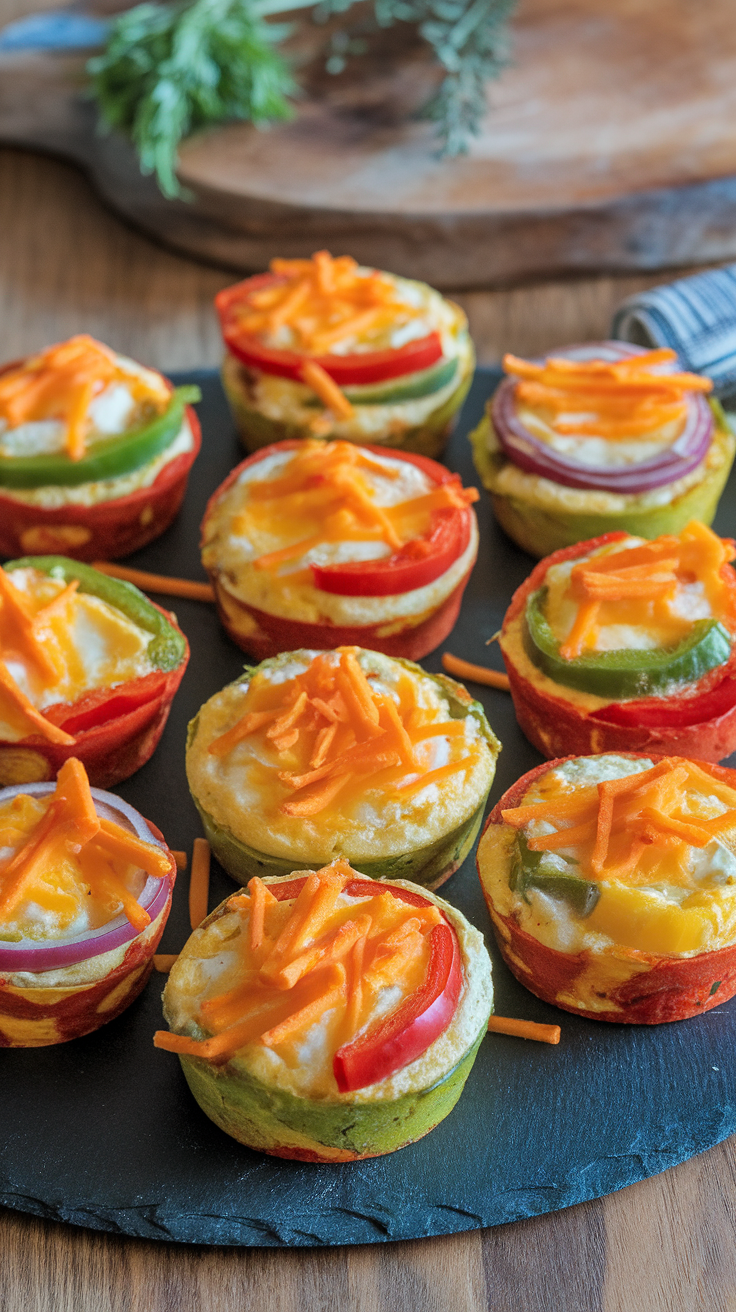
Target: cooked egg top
[356, 958]
[69, 865]
[325, 504]
[58, 643]
[657, 840]
[637, 594]
[321, 753]
[72, 395]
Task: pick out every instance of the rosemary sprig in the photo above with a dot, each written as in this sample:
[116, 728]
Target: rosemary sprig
[169, 69]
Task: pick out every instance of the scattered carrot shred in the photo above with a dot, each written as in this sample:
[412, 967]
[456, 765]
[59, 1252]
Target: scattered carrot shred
[617, 822]
[199, 882]
[476, 673]
[168, 587]
[616, 400]
[70, 826]
[332, 730]
[524, 1029]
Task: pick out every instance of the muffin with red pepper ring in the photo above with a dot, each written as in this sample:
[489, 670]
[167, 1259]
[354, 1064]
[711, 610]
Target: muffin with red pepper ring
[621, 644]
[327, 1017]
[88, 668]
[95, 452]
[85, 892]
[324, 544]
[599, 438]
[323, 347]
[611, 884]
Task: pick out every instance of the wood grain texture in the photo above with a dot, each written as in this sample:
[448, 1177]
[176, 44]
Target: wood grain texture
[665, 1245]
[607, 146]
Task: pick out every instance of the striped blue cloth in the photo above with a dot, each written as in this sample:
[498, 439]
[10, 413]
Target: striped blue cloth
[695, 316]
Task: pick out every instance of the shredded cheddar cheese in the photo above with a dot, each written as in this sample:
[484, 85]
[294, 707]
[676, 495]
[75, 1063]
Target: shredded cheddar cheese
[637, 586]
[38, 647]
[328, 731]
[617, 401]
[62, 381]
[324, 496]
[622, 827]
[301, 959]
[324, 301]
[68, 861]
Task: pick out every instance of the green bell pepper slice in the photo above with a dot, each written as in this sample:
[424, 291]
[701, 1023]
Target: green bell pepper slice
[168, 647]
[629, 672]
[581, 895]
[109, 458]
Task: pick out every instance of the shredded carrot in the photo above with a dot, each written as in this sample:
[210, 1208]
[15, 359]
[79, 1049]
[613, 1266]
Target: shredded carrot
[181, 859]
[311, 1012]
[324, 956]
[199, 882]
[70, 826]
[615, 400]
[524, 1029]
[327, 390]
[638, 585]
[477, 673]
[168, 587]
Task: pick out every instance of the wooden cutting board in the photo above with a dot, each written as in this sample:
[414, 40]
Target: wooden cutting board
[608, 146]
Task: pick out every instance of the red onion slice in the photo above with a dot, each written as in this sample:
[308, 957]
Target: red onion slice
[117, 932]
[534, 456]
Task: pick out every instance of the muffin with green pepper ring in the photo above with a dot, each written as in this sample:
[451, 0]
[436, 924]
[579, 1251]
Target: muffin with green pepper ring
[599, 438]
[95, 452]
[326, 1017]
[314, 754]
[326, 348]
[610, 881]
[88, 668]
[620, 643]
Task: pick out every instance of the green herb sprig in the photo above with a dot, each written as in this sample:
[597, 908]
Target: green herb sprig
[170, 69]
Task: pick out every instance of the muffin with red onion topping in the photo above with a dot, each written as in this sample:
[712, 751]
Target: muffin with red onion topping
[599, 438]
[85, 892]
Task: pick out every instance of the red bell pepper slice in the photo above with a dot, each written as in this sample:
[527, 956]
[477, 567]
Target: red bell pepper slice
[367, 367]
[402, 1036]
[675, 712]
[406, 1033]
[419, 562]
[103, 704]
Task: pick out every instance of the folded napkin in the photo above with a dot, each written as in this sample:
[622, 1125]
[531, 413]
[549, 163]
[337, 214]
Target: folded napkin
[695, 316]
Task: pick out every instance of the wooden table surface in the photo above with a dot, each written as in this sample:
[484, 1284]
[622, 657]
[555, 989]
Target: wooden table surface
[665, 1245]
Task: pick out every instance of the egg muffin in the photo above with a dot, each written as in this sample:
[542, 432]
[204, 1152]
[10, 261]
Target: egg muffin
[324, 544]
[88, 668]
[620, 643]
[601, 438]
[611, 884]
[95, 452]
[327, 1017]
[312, 754]
[85, 891]
[327, 348]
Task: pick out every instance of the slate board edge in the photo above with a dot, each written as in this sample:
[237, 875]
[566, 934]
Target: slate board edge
[435, 1218]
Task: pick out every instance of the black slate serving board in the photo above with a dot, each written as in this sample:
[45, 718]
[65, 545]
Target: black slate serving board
[102, 1132]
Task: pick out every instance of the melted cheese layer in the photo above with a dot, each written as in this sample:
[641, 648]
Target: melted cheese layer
[230, 552]
[96, 644]
[664, 918]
